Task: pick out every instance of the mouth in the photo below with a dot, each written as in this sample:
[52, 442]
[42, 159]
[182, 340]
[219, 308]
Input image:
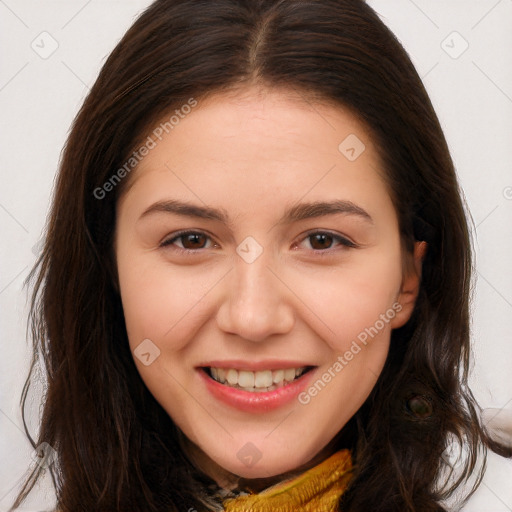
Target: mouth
[258, 381]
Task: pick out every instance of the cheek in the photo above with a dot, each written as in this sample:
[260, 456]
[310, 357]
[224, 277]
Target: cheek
[356, 306]
[161, 302]
[352, 299]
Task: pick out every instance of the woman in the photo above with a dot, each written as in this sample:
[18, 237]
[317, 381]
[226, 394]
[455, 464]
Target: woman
[254, 289]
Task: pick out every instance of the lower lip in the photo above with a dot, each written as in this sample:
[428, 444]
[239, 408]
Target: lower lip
[256, 402]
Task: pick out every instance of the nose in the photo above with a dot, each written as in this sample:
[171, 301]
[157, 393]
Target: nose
[256, 301]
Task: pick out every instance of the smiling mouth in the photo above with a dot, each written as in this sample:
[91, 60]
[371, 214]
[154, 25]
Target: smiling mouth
[256, 382]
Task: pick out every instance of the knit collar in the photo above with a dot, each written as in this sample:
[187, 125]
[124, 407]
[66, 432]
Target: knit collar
[317, 489]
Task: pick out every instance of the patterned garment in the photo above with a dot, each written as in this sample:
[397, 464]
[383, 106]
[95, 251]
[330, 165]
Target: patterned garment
[316, 490]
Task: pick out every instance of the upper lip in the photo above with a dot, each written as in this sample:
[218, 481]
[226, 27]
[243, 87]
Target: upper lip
[254, 366]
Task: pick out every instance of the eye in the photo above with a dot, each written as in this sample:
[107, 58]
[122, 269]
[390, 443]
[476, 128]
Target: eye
[193, 241]
[190, 241]
[322, 241]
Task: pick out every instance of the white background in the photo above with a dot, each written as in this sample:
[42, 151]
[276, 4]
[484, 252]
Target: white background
[472, 94]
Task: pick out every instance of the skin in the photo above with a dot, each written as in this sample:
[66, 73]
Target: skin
[253, 154]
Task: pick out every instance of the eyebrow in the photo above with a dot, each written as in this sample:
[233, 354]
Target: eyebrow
[295, 213]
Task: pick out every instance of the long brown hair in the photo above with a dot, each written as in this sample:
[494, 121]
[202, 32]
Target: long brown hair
[117, 449]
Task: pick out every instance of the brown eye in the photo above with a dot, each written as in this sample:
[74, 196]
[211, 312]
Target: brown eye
[187, 241]
[193, 241]
[321, 241]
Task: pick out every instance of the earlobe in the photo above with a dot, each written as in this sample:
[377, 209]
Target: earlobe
[410, 286]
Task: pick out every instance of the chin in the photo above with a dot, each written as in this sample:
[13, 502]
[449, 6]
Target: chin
[256, 465]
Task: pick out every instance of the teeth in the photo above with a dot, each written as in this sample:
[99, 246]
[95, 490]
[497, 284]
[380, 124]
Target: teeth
[277, 376]
[246, 379]
[232, 377]
[265, 380]
[289, 374]
[262, 379]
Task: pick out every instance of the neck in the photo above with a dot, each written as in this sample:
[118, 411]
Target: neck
[231, 481]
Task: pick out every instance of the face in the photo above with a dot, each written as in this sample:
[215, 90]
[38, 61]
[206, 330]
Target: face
[260, 271]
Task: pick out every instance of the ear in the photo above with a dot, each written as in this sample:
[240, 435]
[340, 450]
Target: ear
[410, 286]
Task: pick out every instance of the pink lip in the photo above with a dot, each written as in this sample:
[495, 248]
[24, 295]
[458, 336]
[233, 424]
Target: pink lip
[254, 366]
[258, 401]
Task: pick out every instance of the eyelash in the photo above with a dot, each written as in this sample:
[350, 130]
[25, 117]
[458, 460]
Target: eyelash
[345, 242]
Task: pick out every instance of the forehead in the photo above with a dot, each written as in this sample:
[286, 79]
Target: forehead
[253, 157]
[257, 153]
[254, 128]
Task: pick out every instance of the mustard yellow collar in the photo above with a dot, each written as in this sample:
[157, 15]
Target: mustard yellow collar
[316, 490]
